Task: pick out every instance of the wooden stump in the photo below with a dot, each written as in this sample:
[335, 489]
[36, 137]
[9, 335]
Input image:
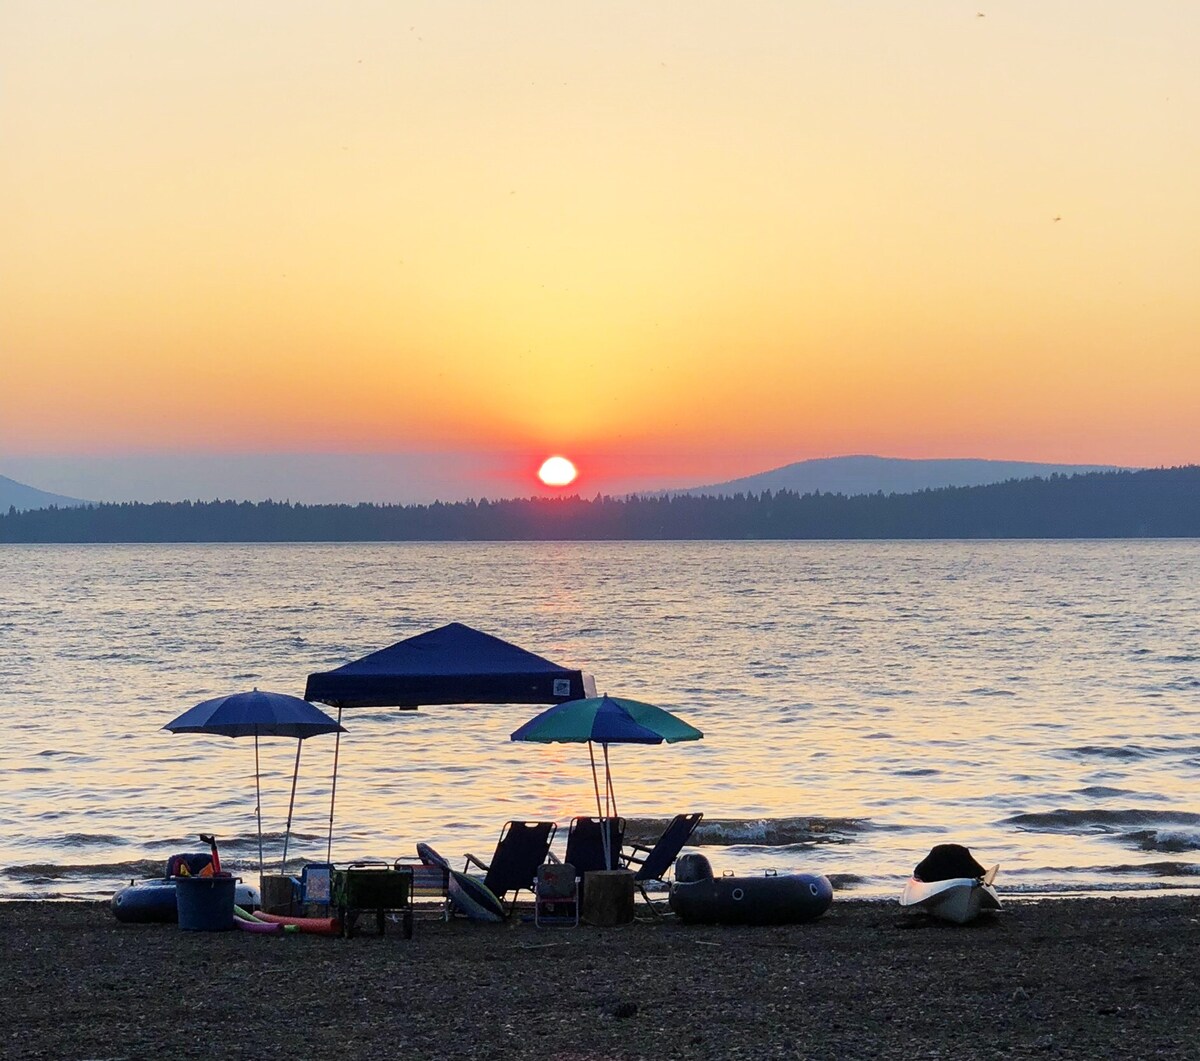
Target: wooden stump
[608, 897]
[276, 894]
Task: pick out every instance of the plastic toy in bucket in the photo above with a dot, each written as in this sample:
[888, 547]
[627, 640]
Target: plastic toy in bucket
[205, 903]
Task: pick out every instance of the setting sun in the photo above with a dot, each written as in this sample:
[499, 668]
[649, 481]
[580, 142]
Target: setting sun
[557, 471]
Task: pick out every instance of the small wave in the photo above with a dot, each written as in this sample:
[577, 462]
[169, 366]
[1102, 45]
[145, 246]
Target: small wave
[1054, 888]
[1095, 820]
[777, 832]
[1181, 659]
[85, 840]
[918, 771]
[845, 881]
[1103, 792]
[43, 872]
[1166, 839]
[1157, 869]
[245, 843]
[1108, 751]
[389, 716]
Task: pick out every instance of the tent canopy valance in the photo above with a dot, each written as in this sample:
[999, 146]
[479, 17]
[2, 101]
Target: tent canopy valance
[453, 664]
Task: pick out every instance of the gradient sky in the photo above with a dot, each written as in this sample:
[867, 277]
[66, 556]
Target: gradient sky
[677, 242]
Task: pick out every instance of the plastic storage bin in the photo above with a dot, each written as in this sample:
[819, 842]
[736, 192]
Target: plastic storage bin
[205, 903]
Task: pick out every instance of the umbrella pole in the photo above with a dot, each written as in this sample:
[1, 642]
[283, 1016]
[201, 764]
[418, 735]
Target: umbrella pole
[287, 832]
[610, 796]
[337, 746]
[610, 812]
[595, 781]
[600, 809]
[258, 804]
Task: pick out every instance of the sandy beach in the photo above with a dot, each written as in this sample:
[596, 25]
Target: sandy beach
[1081, 978]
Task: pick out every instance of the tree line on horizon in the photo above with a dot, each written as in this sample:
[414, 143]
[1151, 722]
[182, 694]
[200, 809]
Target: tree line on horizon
[1158, 503]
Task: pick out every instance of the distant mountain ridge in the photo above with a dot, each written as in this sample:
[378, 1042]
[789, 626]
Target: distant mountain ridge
[855, 475]
[21, 497]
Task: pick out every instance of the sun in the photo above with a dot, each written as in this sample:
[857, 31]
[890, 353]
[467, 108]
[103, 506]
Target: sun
[557, 471]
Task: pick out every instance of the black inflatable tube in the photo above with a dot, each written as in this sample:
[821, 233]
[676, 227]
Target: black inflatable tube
[774, 899]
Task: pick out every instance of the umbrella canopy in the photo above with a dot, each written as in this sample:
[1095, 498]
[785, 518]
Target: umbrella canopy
[605, 720]
[258, 714]
[255, 714]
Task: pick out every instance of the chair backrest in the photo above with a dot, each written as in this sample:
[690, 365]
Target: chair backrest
[522, 847]
[660, 857]
[316, 883]
[555, 880]
[586, 843]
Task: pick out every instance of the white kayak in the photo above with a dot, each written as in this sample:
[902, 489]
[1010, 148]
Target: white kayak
[960, 899]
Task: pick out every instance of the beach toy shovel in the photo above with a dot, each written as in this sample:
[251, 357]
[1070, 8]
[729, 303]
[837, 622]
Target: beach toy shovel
[205, 838]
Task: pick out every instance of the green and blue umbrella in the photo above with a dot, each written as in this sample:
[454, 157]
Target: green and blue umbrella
[605, 720]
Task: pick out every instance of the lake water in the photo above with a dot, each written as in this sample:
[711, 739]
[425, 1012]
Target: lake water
[1037, 701]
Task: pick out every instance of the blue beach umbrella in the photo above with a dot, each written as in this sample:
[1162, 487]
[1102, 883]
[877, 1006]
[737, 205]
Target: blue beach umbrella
[259, 714]
[605, 720]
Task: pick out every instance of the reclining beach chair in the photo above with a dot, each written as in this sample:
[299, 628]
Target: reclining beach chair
[654, 863]
[522, 847]
[586, 843]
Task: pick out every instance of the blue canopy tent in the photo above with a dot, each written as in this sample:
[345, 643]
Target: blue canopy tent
[454, 664]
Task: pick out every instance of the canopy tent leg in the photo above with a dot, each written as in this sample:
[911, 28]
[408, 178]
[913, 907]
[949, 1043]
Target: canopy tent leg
[337, 746]
[287, 832]
[258, 804]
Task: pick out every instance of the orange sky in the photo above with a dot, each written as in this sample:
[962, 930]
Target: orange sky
[681, 240]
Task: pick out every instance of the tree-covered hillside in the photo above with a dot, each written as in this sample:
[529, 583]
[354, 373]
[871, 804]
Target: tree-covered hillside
[1157, 503]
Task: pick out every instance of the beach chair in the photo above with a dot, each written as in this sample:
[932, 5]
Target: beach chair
[655, 862]
[522, 847]
[316, 888]
[586, 843]
[556, 895]
[430, 887]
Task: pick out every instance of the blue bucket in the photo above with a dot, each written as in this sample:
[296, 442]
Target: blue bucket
[205, 903]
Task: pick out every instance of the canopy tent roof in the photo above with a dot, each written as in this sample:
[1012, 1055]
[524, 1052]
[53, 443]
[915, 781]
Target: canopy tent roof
[453, 664]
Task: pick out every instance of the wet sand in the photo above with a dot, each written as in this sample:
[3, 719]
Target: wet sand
[1079, 978]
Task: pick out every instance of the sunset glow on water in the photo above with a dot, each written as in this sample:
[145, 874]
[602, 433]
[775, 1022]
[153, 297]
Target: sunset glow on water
[860, 702]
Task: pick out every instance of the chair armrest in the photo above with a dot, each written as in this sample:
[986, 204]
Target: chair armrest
[633, 854]
[482, 865]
